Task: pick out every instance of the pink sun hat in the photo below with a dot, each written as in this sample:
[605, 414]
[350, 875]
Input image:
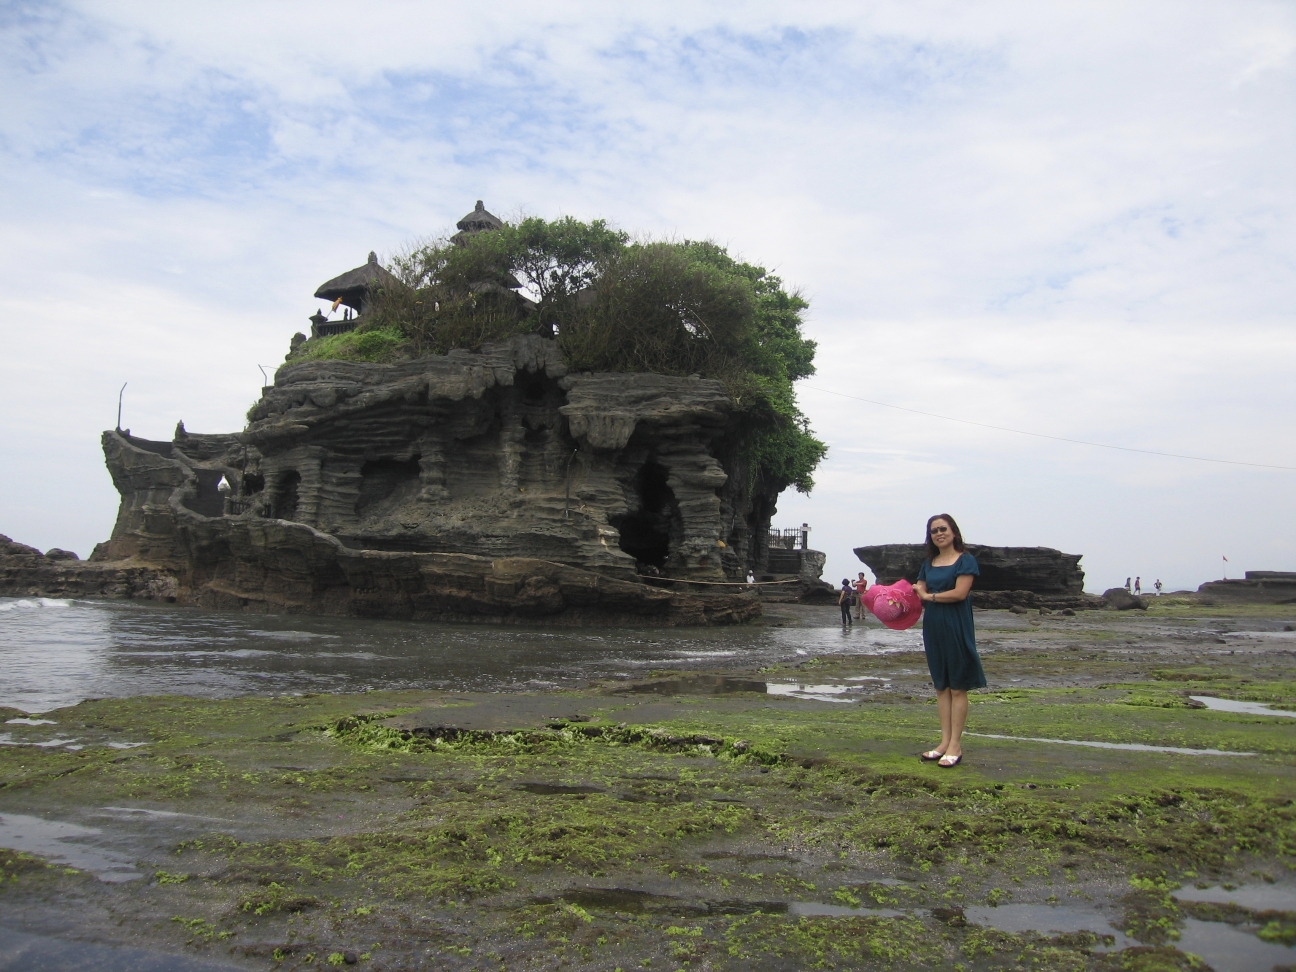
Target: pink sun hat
[895, 605]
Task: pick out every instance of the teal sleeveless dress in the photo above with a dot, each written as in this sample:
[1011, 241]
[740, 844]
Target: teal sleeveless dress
[948, 633]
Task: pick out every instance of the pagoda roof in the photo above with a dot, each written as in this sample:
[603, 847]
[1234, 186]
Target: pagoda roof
[361, 278]
[480, 220]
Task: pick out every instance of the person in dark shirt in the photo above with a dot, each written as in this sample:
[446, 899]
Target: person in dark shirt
[949, 636]
[844, 598]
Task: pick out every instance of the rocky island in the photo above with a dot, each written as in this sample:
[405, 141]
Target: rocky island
[451, 449]
[1010, 576]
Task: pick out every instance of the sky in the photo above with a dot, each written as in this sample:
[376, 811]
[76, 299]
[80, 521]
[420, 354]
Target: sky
[1069, 219]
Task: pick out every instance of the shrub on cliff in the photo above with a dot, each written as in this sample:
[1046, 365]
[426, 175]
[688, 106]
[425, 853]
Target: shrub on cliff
[612, 304]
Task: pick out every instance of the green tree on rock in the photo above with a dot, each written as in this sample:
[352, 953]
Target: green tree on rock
[612, 304]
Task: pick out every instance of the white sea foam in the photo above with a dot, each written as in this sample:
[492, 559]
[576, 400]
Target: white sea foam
[39, 602]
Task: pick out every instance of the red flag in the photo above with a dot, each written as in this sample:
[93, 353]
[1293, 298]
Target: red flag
[1226, 560]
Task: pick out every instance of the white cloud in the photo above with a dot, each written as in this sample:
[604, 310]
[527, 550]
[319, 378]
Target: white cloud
[1067, 218]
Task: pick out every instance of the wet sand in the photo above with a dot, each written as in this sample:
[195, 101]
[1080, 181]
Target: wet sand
[1108, 814]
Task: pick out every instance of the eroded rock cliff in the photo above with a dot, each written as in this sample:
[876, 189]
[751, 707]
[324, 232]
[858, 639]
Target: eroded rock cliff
[1022, 576]
[473, 485]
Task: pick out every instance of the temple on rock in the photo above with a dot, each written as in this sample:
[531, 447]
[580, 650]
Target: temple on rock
[356, 288]
[353, 290]
[491, 482]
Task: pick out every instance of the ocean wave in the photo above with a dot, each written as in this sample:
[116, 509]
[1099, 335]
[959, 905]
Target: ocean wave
[39, 602]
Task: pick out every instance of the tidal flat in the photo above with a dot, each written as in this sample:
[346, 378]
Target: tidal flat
[1105, 816]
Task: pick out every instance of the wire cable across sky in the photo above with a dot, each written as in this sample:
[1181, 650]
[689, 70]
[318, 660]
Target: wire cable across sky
[1056, 438]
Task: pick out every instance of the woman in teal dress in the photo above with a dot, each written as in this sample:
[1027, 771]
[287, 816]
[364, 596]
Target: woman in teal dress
[945, 588]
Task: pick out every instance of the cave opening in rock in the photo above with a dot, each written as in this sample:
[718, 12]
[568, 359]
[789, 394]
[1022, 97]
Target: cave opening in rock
[252, 483]
[286, 494]
[380, 478]
[646, 529]
[207, 499]
[534, 387]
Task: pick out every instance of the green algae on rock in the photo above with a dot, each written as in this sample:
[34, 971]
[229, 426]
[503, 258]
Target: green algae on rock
[678, 829]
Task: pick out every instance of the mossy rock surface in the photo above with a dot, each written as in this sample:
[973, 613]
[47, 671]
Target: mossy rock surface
[725, 832]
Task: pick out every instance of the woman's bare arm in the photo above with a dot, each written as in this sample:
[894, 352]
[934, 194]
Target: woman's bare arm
[962, 588]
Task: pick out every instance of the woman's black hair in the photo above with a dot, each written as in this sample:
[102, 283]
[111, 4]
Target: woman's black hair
[932, 549]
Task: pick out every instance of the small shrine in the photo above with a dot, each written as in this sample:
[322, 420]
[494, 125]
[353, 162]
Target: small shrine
[353, 290]
[478, 221]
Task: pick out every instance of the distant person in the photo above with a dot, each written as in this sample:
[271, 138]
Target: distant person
[1157, 585]
[1127, 585]
[1138, 585]
[949, 636]
[844, 598]
[860, 585]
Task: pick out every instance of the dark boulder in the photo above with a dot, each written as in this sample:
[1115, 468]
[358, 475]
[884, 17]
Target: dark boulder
[1122, 600]
[11, 548]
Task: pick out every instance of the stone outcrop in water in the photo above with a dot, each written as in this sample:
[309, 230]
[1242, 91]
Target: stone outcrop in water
[25, 571]
[1258, 587]
[473, 485]
[1021, 576]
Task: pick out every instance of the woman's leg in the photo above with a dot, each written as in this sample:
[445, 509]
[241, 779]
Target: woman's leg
[943, 706]
[958, 708]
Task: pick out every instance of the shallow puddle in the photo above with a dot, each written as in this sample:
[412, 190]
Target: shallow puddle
[1132, 747]
[697, 685]
[1257, 897]
[1245, 708]
[817, 909]
[1047, 920]
[129, 812]
[61, 843]
[725, 685]
[1229, 949]
[7, 739]
[20, 952]
[817, 693]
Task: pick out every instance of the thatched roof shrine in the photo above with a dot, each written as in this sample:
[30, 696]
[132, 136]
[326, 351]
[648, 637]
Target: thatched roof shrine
[478, 221]
[353, 287]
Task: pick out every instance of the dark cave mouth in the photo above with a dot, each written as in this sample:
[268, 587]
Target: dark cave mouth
[380, 478]
[646, 531]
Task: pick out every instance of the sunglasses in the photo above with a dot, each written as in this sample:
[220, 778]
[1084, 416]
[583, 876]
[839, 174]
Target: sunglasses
[936, 530]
